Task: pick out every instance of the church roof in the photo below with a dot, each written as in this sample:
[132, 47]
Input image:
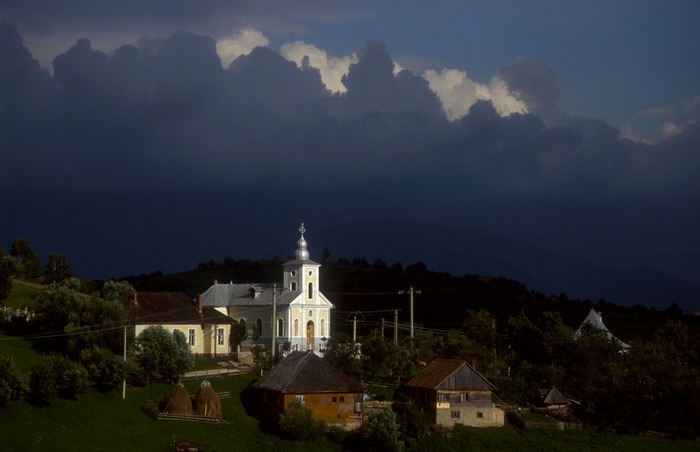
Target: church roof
[306, 373]
[222, 295]
[596, 320]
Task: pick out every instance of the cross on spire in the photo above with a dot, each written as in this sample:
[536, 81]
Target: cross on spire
[302, 229]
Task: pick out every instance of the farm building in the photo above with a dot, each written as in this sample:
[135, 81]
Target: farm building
[452, 392]
[332, 396]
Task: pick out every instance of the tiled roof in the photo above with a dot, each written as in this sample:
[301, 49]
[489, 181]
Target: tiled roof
[169, 308]
[450, 374]
[306, 373]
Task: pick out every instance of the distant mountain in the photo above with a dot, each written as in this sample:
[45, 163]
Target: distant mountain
[472, 250]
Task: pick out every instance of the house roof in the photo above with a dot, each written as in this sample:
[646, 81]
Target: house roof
[306, 373]
[169, 308]
[450, 374]
[553, 397]
[596, 320]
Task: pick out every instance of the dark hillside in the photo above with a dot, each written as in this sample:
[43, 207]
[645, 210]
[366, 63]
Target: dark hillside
[372, 291]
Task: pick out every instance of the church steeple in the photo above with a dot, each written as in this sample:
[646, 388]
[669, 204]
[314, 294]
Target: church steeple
[302, 253]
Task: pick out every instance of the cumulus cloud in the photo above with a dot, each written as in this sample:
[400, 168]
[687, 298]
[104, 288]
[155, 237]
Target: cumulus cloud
[332, 69]
[457, 93]
[241, 43]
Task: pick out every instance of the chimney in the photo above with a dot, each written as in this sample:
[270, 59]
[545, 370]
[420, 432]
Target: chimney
[199, 303]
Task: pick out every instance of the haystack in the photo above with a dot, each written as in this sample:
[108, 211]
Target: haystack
[180, 402]
[207, 402]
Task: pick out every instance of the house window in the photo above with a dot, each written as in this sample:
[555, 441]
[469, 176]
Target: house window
[442, 397]
[334, 399]
[455, 414]
[220, 336]
[311, 290]
[479, 415]
[342, 399]
[463, 397]
[301, 398]
[191, 337]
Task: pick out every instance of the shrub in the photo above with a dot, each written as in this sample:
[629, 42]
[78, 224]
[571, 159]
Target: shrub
[12, 382]
[298, 423]
[56, 375]
[104, 369]
[381, 432]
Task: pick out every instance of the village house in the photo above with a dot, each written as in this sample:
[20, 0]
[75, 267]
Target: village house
[331, 395]
[207, 330]
[301, 312]
[451, 392]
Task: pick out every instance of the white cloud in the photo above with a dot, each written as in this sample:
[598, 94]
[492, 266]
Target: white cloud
[670, 129]
[457, 93]
[241, 43]
[332, 69]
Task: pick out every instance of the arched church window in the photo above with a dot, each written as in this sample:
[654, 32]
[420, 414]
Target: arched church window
[311, 290]
[280, 327]
[296, 327]
[258, 324]
[323, 327]
[293, 286]
[311, 313]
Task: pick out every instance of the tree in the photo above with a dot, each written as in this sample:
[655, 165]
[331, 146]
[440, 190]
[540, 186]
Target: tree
[55, 305]
[8, 267]
[96, 323]
[57, 268]
[326, 254]
[163, 355]
[343, 354]
[239, 332]
[114, 290]
[12, 382]
[28, 261]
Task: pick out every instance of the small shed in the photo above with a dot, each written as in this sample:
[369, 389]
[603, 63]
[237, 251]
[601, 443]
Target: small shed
[553, 399]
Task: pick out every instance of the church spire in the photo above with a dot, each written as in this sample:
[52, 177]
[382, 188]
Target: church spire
[302, 253]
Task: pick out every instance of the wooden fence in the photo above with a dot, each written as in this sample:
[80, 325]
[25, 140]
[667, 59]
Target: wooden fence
[554, 425]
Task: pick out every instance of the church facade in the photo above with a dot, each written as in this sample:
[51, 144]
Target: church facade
[301, 312]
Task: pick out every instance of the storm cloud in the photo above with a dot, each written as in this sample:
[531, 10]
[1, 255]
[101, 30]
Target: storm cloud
[167, 115]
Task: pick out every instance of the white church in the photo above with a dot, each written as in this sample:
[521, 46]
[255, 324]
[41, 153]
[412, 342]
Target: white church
[302, 313]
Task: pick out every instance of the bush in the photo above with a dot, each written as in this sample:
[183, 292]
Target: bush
[381, 432]
[104, 369]
[12, 382]
[298, 423]
[56, 375]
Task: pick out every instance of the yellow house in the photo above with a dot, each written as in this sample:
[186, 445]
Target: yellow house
[207, 330]
[301, 311]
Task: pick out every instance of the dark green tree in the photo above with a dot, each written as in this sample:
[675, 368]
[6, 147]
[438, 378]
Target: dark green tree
[8, 267]
[298, 423]
[55, 305]
[343, 354]
[57, 269]
[114, 290]
[28, 261]
[380, 431]
[163, 355]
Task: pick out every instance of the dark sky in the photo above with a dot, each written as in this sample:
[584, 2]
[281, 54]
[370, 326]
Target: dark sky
[156, 156]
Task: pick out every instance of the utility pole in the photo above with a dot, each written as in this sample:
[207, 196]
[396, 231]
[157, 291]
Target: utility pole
[396, 327]
[124, 380]
[274, 319]
[382, 327]
[354, 329]
[411, 289]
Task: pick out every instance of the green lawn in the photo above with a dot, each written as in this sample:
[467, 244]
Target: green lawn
[21, 294]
